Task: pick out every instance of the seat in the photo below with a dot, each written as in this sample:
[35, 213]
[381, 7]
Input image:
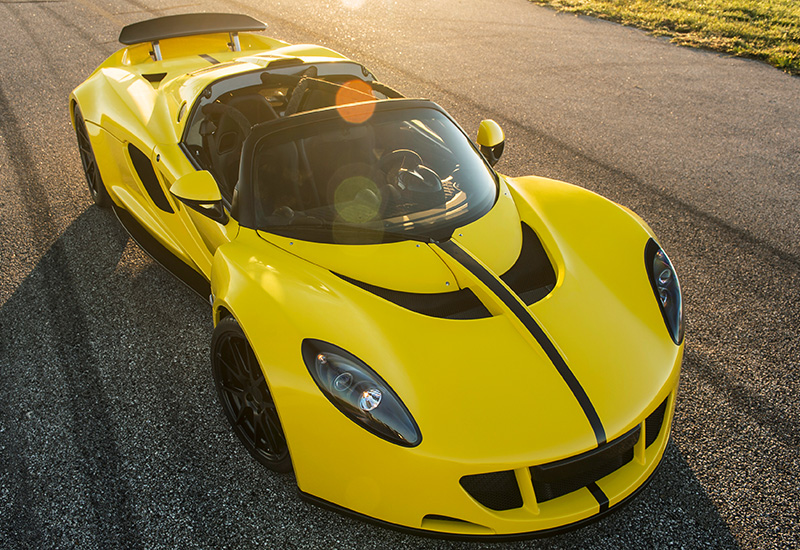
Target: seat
[226, 127]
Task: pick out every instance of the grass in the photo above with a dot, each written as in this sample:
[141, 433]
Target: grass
[762, 29]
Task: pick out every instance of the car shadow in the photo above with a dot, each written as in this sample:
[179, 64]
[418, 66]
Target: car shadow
[111, 434]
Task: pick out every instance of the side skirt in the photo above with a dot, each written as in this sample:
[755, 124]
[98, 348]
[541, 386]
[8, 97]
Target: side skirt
[183, 272]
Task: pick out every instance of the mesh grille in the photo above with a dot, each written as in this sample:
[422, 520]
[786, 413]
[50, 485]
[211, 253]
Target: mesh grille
[653, 424]
[564, 476]
[497, 490]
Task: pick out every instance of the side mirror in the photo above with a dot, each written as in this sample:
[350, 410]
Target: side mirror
[199, 191]
[492, 140]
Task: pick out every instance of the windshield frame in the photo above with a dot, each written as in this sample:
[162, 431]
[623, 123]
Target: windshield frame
[245, 207]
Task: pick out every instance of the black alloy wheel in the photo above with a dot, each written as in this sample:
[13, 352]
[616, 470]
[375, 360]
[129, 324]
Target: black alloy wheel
[245, 397]
[96, 187]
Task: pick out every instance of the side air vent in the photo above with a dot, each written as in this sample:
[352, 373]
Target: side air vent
[435, 522]
[652, 426]
[460, 304]
[496, 490]
[532, 276]
[144, 169]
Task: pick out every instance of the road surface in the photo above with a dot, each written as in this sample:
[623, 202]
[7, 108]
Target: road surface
[110, 432]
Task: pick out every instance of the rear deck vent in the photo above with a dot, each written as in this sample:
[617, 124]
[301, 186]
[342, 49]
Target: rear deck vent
[154, 78]
[460, 304]
[496, 490]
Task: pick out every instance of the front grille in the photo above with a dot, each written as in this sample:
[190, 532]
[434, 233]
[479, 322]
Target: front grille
[653, 423]
[497, 490]
[570, 474]
[500, 490]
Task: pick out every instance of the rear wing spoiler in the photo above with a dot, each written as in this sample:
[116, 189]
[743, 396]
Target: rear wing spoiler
[189, 24]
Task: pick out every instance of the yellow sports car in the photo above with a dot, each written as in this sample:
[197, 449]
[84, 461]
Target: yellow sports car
[426, 342]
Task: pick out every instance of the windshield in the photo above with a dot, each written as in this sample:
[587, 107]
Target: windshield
[399, 174]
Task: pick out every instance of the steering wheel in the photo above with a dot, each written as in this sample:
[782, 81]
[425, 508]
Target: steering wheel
[392, 163]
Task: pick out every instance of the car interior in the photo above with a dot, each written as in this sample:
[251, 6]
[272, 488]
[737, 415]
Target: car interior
[385, 173]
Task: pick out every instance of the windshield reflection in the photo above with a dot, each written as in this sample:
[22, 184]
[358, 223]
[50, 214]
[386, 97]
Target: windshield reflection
[402, 174]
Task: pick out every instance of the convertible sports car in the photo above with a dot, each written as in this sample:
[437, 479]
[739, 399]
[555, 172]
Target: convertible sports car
[426, 342]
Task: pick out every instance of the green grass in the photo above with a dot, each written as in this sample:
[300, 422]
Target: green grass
[762, 29]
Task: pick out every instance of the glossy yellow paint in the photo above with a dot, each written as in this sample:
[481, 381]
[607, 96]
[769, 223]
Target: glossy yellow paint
[123, 108]
[484, 394]
[490, 133]
[197, 186]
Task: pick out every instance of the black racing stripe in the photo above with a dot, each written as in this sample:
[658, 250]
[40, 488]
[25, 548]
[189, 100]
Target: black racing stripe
[522, 313]
[209, 58]
[599, 496]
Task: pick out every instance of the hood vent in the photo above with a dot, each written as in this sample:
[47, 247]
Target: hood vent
[532, 276]
[460, 304]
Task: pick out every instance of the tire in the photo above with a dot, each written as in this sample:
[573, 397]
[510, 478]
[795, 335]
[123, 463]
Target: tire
[97, 188]
[245, 397]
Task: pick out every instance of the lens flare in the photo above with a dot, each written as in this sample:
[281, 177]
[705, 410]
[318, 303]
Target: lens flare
[350, 101]
[357, 200]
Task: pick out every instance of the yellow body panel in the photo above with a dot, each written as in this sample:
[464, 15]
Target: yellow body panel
[121, 107]
[484, 393]
[490, 134]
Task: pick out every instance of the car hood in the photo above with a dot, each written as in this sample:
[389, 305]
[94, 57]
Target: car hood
[411, 266]
[487, 383]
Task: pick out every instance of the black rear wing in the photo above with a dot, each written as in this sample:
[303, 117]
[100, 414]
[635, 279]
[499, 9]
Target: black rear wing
[189, 24]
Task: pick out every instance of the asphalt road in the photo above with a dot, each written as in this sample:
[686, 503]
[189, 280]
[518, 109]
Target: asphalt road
[110, 432]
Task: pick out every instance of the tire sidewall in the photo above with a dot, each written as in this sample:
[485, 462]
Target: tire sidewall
[100, 196]
[229, 326]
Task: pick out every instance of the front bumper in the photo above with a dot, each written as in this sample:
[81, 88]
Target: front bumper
[425, 496]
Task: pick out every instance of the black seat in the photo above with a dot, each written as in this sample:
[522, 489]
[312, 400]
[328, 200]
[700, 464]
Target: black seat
[226, 127]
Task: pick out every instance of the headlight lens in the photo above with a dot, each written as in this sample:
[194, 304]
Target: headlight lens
[360, 393]
[666, 287]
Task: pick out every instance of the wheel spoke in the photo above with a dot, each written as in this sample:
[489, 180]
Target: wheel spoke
[240, 417]
[230, 387]
[231, 369]
[237, 364]
[249, 355]
[240, 361]
[261, 437]
[268, 431]
[275, 436]
[245, 395]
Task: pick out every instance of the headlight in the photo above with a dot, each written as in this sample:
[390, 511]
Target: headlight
[666, 287]
[359, 393]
